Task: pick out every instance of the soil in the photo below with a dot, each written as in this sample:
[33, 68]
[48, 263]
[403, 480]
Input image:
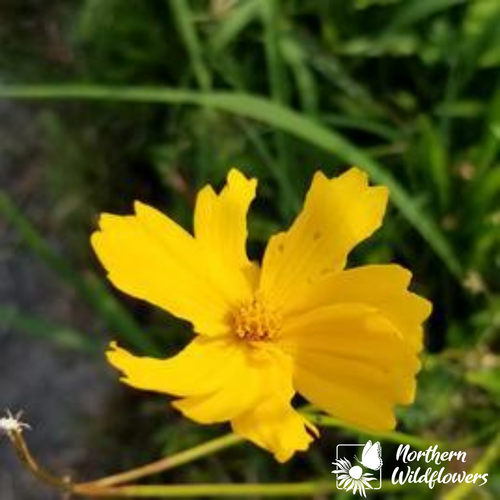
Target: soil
[63, 393]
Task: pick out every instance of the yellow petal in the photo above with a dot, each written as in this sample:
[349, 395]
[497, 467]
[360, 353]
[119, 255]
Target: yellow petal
[202, 367]
[351, 362]
[241, 389]
[355, 337]
[246, 375]
[338, 213]
[352, 402]
[152, 258]
[252, 374]
[274, 425]
[220, 227]
[383, 287]
[218, 378]
[359, 343]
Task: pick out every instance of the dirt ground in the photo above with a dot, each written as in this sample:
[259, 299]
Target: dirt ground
[61, 392]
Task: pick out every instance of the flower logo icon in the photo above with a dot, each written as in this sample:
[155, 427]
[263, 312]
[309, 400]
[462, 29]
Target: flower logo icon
[354, 477]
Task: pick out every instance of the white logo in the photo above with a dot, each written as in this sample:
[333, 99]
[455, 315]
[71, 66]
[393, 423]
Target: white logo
[356, 478]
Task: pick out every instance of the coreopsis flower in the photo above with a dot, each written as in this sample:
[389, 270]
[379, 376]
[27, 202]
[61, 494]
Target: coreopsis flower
[346, 340]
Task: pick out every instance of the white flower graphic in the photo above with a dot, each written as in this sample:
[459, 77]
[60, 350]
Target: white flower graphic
[352, 478]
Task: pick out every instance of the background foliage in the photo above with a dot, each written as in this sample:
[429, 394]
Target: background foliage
[407, 89]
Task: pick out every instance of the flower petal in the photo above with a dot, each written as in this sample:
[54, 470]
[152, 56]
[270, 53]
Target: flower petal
[353, 362]
[355, 337]
[152, 258]
[274, 425]
[200, 368]
[254, 372]
[338, 213]
[220, 227]
[218, 378]
[241, 389]
[383, 287]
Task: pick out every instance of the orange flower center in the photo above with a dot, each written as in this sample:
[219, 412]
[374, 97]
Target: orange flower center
[254, 322]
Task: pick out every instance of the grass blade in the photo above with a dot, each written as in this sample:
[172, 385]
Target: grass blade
[273, 114]
[414, 11]
[239, 17]
[189, 36]
[89, 288]
[63, 336]
[279, 93]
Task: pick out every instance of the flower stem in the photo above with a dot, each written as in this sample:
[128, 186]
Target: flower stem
[167, 463]
[491, 455]
[393, 436]
[17, 440]
[309, 488]
[108, 487]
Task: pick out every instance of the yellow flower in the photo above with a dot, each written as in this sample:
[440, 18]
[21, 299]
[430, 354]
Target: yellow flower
[346, 340]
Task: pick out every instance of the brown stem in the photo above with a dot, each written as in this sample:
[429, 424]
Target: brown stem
[16, 438]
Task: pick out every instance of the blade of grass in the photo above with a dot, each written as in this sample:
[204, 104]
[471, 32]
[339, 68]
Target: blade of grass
[436, 160]
[414, 11]
[304, 79]
[272, 114]
[227, 30]
[364, 124]
[63, 336]
[279, 94]
[491, 140]
[184, 19]
[189, 36]
[89, 288]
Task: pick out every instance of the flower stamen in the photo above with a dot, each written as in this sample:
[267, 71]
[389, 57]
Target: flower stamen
[253, 321]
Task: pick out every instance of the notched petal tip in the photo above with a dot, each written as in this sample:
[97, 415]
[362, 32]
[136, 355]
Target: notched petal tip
[426, 306]
[142, 209]
[116, 356]
[277, 427]
[235, 176]
[357, 173]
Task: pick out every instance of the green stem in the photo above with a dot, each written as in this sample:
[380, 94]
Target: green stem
[482, 466]
[286, 490]
[392, 436]
[103, 487]
[168, 463]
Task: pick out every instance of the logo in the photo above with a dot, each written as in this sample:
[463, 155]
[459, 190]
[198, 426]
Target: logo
[357, 477]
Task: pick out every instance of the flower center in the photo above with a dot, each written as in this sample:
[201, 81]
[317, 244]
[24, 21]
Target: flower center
[254, 322]
[356, 472]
